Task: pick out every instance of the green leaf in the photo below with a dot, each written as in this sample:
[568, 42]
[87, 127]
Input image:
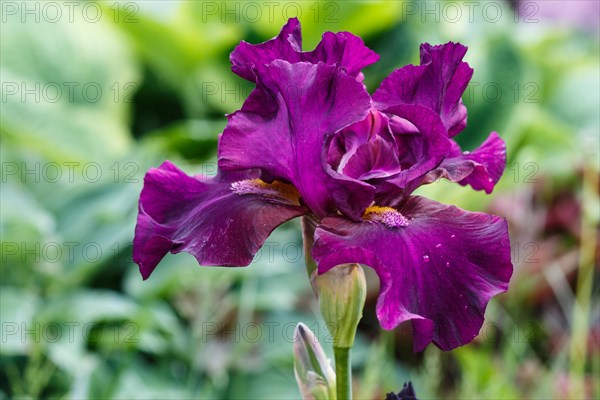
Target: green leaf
[17, 310]
[65, 110]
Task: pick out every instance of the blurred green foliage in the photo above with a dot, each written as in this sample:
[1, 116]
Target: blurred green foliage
[89, 105]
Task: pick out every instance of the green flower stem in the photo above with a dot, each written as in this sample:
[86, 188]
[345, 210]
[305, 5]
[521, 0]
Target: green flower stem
[343, 373]
[342, 293]
[308, 234]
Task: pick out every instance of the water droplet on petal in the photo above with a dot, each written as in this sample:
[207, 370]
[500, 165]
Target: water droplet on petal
[466, 307]
[453, 236]
[426, 258]
[490, 180]
[466, 152]
[438, 245]
[447, 264]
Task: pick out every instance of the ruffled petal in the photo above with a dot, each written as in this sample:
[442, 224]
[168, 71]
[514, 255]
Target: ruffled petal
[438, 266]
[421, 139]
[343, 48]
[204, 217]
[438, 83]
[481, 168]
[286, 46]
[375, 159]
[283, 129]
[347, 141]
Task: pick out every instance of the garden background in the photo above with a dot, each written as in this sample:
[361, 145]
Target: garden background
[96, 93]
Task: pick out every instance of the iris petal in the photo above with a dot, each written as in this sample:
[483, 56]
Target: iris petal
[286, 46]
[347, 141]
[343, 48]
[481, 168]
[439, 270]
[374, 159]
[422, 145]
[283, 129]
[424, 150]
[438, 83]
[204, 217]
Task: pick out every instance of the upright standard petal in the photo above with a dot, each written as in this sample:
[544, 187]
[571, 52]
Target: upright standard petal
[343, 48]
[422, 144]
[438, 83]
[283, 128]
[375, 159]
[438, 265]
[220, 221]
[481, 168]
[286, 46]
[346, 142]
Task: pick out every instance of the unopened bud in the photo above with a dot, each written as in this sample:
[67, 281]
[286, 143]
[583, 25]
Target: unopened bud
[342, 292]
[314, 374]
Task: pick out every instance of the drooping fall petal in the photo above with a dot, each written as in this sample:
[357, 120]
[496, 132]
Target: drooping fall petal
[438, 265]
[217, 222]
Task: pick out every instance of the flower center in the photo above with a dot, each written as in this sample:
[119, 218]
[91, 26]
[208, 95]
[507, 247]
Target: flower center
[278, 191]
[386, 215]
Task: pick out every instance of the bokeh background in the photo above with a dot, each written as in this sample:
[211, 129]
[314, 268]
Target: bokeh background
[94, 94]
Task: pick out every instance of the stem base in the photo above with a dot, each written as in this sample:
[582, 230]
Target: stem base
[343, 373]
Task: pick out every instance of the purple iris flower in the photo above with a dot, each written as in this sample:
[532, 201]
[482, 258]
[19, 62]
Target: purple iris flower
[310, 141]
[407, 393]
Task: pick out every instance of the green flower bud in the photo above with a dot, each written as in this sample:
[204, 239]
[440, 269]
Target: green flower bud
[342, 292]
[314, 374]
